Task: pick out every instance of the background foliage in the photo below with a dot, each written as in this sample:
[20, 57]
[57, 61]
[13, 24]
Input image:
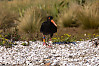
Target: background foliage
[27, 15]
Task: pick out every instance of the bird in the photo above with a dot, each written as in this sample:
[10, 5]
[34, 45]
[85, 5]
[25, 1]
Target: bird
[48, 27]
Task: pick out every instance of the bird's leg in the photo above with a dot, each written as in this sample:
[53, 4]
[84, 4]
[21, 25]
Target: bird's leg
[50, 42]
[44, 40]
[50, 36]
[47, 40]
[50, 39]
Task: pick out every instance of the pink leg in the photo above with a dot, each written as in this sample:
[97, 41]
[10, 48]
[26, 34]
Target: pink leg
[44, 40]
[50, 39]
[50, 43]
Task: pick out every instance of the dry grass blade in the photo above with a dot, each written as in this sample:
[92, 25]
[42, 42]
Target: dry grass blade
[68, 17]
[89, 16]
[30, 23]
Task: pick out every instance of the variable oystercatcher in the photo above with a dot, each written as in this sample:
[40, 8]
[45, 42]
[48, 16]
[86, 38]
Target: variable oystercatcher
[48, 28]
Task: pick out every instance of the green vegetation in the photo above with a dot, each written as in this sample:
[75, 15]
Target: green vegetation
[71, 38]
[21, 19]
[24, 44]
[30, 22]
[64, 38]
[68, 17]
[88, 16]
[5, 42]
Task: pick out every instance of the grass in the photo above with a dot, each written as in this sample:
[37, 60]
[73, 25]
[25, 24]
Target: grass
[30, 22]
[77, 15]
[68, 17]
[5, 42]
[88, 16]
[64, 38]
[77, 33]
[27, 15]
[24, 44]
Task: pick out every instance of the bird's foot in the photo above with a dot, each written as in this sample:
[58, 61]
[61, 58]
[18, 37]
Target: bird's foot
[44, 44]
[49, 46]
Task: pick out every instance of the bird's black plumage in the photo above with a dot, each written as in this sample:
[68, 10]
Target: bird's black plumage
[48, 27]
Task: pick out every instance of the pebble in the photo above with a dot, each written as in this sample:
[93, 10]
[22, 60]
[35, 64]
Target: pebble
[81, 54]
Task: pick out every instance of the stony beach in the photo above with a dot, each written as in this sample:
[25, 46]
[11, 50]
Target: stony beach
[81, 54]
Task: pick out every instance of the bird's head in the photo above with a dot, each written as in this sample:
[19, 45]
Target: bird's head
[50, 18]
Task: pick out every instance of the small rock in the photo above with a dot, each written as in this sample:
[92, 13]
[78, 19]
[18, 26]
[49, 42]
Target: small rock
[70, 56]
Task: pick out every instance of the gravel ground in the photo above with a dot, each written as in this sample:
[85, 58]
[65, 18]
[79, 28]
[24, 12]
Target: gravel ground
[81, 54]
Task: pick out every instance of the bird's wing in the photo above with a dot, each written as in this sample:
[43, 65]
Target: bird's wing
[42, 27]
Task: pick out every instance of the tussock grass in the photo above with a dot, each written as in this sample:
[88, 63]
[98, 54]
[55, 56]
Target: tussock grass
[29, 14]
[30, 22]
[78, 15]
[68, 17]
[7, 18]
[89, 16]
[51, 7]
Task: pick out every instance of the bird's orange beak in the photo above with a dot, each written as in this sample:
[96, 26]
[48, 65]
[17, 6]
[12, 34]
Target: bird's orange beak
[53, 22]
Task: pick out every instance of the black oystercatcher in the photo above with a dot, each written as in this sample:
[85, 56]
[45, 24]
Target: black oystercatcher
[48, 28]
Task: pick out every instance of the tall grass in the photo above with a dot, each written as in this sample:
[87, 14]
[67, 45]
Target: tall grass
[30, 22]
[78, 15]
[89, 15]
[68, 17]
[7, 17]
[19, 6]
[51, 7]
[31, 13]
